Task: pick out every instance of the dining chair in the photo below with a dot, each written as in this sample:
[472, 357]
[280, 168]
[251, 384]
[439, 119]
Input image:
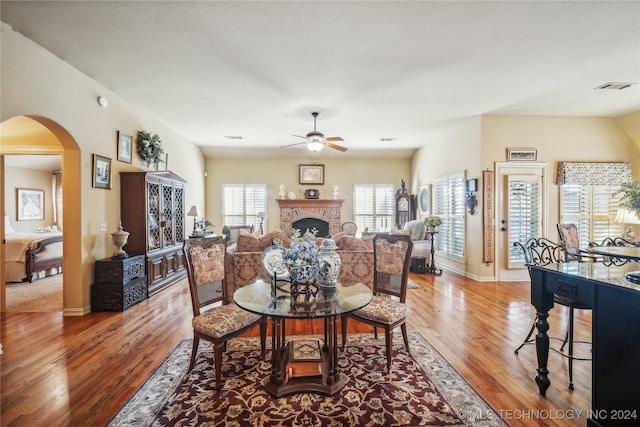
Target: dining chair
[349, 228]
[207, 283]
[387, 309]
[231, 232]
[541, 251]
[569, 240]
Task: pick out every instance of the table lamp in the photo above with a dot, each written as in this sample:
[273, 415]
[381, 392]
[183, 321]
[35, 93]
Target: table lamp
[195, 213]
[627, 217]
[262, 216]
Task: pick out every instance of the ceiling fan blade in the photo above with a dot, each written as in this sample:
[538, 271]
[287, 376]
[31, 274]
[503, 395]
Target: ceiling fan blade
[334, 138]
[300, 136]
[291, 145]
[335, 147]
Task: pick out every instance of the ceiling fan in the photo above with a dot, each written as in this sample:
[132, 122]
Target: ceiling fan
[316, 140]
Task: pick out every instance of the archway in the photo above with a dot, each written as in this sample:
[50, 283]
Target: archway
[40, 135]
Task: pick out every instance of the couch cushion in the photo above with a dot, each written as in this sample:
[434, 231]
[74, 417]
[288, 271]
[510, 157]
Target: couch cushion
[350, 243]
[251, 243]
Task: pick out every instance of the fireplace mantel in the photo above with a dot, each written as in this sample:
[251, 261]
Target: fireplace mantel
[325, 209]
[310, 203]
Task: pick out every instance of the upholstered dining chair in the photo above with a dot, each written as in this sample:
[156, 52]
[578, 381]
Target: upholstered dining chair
[387, 309]
[568, 234]
[349, 228]
[207, 283]
[541, 251]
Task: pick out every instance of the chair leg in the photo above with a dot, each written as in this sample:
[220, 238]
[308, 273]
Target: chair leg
[526, 340]
[405, 336]
[194, 352]
[343, 325]
[375, 332]
[571, 348]
[388, 338]
[217, 351]
[566, 333]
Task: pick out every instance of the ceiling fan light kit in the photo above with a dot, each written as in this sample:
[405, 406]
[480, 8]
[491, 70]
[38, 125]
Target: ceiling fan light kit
[316, 140]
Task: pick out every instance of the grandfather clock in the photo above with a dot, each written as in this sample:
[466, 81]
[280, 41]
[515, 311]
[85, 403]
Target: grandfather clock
[404, 207]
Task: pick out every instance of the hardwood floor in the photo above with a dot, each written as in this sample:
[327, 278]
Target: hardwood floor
[71, 371]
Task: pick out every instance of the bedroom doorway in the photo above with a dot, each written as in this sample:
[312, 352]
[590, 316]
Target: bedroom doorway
[36, 135]
[40, 291]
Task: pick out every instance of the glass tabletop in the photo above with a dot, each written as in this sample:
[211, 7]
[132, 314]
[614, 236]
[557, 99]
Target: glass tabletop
[258, 298]
[627, 252]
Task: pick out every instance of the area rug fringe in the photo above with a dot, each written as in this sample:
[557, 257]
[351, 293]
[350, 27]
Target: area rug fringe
[144, 406]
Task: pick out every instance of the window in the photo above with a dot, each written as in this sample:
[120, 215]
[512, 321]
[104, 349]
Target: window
[448, 193]
[525, 213]
[592, 208]
[373, 206]
[242, 202]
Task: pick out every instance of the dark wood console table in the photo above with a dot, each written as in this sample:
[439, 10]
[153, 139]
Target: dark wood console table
[119, 283]
[615, 395]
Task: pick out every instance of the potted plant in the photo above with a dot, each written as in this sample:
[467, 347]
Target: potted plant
[432, 221]
[149, 147]
[203, 225]
[630, 196]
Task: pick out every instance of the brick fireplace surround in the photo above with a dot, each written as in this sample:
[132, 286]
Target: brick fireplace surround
[325, 209]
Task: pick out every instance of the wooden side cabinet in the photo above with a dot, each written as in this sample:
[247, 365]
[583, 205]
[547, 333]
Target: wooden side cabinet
[118, 284]
[152, 211]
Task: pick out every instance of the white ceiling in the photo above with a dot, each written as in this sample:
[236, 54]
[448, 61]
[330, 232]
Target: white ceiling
[405, 70]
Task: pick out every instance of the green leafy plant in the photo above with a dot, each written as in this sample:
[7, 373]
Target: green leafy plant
[149, 147]
[630, 196]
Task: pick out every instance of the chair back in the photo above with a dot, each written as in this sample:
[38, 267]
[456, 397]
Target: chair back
[613, 241]
[569, 240]
[349, 228]
[541, 251]
[391, 262]
[204, 259]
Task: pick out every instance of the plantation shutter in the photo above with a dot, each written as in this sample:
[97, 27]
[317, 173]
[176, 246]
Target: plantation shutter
[373, 206]
[242, 202]
[449, 205]
[525, 215]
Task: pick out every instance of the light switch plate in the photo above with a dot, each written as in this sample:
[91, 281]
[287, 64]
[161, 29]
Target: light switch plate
[103, 226]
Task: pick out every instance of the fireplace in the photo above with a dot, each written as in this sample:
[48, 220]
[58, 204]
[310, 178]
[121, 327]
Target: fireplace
[308, 224]
[323, 214]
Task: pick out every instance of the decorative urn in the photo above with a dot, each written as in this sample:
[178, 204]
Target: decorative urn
[330, 264]
[120, 238]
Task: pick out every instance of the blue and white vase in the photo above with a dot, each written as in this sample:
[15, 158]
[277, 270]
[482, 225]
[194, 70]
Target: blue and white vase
[304, 273]
[330, 264]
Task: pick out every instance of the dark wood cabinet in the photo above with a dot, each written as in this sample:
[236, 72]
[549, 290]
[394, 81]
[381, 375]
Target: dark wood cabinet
[152, 211]
[118, 284]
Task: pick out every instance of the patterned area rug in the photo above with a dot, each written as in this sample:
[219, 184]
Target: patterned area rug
[422, 389]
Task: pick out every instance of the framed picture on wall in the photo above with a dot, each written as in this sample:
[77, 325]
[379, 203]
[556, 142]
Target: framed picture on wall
[424, 200]
[522, 155]
[30, 204]
[101, 172]
[311, 174]
[125, 145]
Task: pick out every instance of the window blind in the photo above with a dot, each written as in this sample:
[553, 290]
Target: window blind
[449, 199]
[242, 202]
[373, 206]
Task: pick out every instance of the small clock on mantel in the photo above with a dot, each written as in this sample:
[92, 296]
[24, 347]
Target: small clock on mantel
[311, 194]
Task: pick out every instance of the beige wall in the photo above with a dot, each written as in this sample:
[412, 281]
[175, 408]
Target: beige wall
[35, 82]
[35, 180]
[273, 172]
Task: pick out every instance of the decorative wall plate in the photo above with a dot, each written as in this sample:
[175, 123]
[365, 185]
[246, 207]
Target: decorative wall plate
[292, 195]
[272, 263]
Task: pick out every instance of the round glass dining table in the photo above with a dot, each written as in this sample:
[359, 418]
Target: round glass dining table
[277, 303]
[631, 253]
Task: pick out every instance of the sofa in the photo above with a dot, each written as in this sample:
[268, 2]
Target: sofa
[243, 262]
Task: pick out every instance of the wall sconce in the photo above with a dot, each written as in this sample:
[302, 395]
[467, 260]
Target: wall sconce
[471, 187]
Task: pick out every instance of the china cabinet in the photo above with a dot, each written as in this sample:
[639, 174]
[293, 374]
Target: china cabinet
[152, 210]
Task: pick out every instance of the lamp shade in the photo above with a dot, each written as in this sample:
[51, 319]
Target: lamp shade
[625, 216]
[315, 146]
[261, 215]
[193, 211]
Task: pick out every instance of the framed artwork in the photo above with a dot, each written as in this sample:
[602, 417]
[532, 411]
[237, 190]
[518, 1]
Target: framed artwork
[162, 164]
[311, 174]
[424, 200]
[125, 145]
[522, 155]
[30, 204]
[101, 172]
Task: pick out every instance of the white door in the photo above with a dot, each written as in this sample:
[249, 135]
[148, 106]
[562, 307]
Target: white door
[520, 201]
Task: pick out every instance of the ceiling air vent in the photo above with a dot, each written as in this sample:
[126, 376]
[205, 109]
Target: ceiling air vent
[615, 86]
[233, 137]
[388, 139]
